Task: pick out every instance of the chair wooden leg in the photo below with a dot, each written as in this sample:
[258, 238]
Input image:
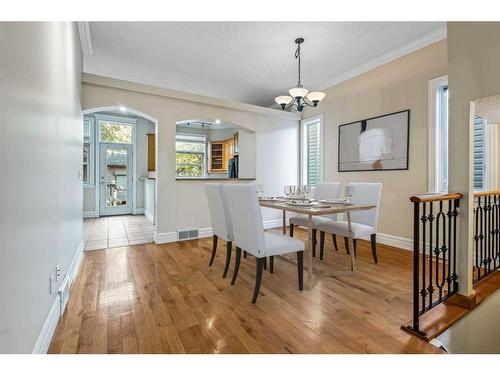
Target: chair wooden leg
[373, 239]
[236, 265]
[354, 242]
[346, 243]
[291, 229]
[334, 239]
[265, 263]
[300, 268]
[321, 244]
[214, 249]
[314, 240]
[271, 264]
[244, 254]
[228, 258]
[258, 278]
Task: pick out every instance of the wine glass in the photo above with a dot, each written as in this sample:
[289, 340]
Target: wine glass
[306, 190]
[349, 192]
[293, 188]
[260, 190]
[286, 190]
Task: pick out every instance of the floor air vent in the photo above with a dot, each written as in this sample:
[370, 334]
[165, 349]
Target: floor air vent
[188, 234]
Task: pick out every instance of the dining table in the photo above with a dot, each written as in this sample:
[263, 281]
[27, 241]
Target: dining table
[315, 270]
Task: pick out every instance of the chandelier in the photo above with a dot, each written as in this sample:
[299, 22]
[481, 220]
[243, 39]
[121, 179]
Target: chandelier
[299, 96]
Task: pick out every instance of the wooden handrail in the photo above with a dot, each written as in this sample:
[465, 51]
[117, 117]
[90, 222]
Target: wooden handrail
[422, 198]
[486, 193]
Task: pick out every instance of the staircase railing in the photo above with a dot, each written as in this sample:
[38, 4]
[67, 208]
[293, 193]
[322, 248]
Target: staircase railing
[486, 234]
[434, 252]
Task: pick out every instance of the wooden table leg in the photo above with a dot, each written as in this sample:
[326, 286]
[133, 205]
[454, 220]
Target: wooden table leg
[284, 222]
[309, 258]
[351, 242]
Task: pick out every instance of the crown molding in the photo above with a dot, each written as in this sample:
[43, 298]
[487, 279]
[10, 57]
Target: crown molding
[419, 43]
[85, 39]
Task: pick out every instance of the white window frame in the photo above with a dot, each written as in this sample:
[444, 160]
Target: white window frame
[303, 148]
[91, 154]
[435, 163]
[204, 162]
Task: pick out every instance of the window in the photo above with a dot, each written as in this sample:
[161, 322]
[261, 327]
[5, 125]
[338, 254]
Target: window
[190, 155]
[115, 132]
[88, 151]
[438, 134]
[311, 149]
[479, 166]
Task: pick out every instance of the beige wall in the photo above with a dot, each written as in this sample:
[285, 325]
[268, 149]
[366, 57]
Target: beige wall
[182, 204]
[474, 52]
[399, 85]
[40, 167]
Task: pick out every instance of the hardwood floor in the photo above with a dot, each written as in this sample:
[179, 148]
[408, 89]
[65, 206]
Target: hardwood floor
[165, 299]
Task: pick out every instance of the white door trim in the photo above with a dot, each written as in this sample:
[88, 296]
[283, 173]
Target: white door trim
[126, 110]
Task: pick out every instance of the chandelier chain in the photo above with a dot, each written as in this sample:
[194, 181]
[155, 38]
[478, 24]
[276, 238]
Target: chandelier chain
[297, 56]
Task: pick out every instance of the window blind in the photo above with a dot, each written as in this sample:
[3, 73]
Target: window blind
[479, 166]
[313, 150]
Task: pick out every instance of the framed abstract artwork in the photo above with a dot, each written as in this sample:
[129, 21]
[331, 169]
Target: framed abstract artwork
[375, 144]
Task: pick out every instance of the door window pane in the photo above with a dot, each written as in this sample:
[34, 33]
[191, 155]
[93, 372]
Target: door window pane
[116, 177]
[114, 132]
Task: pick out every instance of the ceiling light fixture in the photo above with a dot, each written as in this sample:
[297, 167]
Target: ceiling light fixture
[299, 96]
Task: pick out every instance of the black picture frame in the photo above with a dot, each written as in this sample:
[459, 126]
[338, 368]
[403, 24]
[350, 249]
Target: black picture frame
[383, 169]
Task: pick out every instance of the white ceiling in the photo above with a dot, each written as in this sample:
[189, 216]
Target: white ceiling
[250, 62]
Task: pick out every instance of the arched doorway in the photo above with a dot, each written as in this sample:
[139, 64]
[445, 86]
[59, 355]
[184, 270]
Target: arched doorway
[118, 151]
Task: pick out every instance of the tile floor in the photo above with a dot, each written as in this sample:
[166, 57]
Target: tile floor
[113, 231]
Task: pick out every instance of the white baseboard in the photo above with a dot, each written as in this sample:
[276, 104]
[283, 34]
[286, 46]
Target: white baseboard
[149, 216]
[45, 337]
[90, 214]
[205, 232]
[395, 241]
[139, 211]
[165, 237]
[168, 237]
[269, 224]
[382, 238]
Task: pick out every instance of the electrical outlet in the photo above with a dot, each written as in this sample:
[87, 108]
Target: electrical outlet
[58, 273]
[52, 280]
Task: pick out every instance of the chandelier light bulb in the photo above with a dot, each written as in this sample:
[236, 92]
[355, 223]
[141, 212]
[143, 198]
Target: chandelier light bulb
[283, 100]
[315, 97]
[298, 92]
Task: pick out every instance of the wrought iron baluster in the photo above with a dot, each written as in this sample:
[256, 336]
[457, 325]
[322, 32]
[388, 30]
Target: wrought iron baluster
[449, 214]
[440, 250]
[454, 276]
[423, 291]
[430, 287]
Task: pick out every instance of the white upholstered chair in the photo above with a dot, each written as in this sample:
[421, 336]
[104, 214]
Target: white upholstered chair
[249, 234]
[363, 223]
[221, 222]
[323, 190]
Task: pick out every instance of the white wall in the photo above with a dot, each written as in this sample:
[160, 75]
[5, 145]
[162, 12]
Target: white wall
[182, 204]
[399, 85]
[40, 167]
